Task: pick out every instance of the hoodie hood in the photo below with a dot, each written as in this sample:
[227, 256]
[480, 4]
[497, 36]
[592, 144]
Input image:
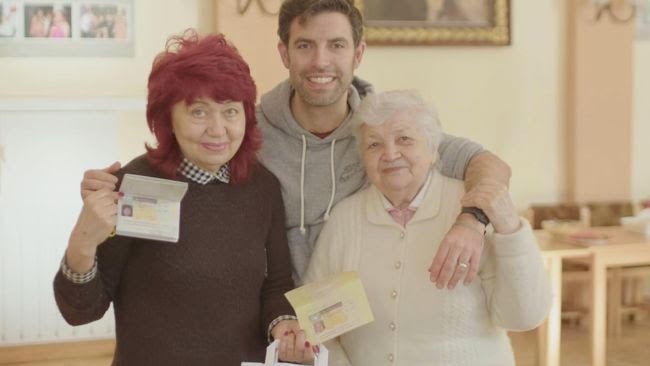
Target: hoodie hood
[314, 173]
[276, 109]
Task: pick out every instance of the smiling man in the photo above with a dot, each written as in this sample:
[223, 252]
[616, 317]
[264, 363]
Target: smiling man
[308, 142]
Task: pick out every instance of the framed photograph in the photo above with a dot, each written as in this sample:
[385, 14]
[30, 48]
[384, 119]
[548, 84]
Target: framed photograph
[47, 20]
[68, 28]
[8, 19]
[436, 22]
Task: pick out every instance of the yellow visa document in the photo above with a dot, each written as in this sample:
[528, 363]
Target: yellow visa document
[150, 207]
[330, 307]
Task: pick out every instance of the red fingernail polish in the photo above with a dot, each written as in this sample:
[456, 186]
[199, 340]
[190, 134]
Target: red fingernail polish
[286, 332]
[306, 344]
[121, 194]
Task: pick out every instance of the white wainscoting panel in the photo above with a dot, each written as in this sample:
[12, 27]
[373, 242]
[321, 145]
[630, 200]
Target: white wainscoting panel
[45, 154]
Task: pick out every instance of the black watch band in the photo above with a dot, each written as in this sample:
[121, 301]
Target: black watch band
[477, 213]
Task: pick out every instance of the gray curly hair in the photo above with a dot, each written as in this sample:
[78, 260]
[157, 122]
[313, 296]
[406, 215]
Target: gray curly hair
[375, 109]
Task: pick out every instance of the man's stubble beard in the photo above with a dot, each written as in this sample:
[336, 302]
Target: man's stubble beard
[318, 99]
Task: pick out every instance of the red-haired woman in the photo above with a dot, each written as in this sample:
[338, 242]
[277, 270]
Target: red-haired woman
[211, 298]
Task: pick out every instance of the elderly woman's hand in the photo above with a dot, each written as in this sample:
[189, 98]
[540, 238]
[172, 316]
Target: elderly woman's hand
[293, 344]
[494, 199]
[96, 179]
[95, 223]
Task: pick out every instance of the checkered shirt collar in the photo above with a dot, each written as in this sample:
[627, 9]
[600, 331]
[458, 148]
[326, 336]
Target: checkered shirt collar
[199, 175]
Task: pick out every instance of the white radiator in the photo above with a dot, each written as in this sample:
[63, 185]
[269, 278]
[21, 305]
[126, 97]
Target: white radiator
[44, 152]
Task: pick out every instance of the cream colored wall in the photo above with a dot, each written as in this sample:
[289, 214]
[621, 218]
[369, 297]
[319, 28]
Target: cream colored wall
[103, 76]
[641, 122]
[510, 99]
[254, 34]
[80, 77]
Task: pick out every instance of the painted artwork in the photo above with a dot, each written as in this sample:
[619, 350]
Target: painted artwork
[482, 22]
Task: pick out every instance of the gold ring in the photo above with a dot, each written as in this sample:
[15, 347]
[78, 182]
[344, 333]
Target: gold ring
[462, 265]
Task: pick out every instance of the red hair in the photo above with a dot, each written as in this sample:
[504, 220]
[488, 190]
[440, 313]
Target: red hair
[192, 67]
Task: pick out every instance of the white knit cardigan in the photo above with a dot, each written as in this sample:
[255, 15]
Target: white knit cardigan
[416, 323]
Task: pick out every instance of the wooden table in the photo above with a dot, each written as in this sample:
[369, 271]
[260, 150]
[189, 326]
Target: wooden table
[549, 333]
[623, 249]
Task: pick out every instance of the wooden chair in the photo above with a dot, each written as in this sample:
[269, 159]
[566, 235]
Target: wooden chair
[538, 213]
[609, 213]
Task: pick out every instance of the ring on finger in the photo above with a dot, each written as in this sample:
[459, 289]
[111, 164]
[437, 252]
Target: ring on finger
[463, 266]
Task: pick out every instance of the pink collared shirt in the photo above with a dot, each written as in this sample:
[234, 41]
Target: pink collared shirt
[404, 215]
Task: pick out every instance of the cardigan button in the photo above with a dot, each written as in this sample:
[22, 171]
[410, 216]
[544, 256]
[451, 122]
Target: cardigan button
[393, 294]
[402, 234]
[398, 264]
[391, 358]
[392, 326]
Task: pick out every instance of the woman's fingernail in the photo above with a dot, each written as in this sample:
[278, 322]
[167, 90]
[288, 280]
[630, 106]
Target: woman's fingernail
[286, 332]
[121, 194]
[306, 344]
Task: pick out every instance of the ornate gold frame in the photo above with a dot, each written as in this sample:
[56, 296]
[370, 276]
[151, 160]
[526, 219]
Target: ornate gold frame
[416, 33]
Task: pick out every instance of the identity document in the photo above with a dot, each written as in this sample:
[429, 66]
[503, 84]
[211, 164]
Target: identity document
[330, 307]
[150, 207]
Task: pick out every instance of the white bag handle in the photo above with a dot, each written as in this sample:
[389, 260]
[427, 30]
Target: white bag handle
[271, 359]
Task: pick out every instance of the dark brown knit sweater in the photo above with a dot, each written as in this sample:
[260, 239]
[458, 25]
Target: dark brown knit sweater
[204, 300]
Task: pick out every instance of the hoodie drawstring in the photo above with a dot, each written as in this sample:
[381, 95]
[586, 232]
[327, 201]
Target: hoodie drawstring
[302, 184]
[329, 206]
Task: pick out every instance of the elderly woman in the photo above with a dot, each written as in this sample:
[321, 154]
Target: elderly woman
[385, 232]
[210, 298]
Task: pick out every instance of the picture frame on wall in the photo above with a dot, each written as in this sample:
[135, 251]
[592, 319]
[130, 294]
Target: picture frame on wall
[8, 20]
[436, 22]
[66, 28]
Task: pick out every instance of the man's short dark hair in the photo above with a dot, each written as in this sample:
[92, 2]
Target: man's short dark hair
[305, 9]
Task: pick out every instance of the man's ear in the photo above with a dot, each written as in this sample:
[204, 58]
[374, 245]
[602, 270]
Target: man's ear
[358, 53]
[284, 53]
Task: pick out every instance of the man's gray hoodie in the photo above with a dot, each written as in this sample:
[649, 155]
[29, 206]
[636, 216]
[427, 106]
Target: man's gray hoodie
[316, 173]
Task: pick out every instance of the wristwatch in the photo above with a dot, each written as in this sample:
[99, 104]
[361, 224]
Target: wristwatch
[477, 213]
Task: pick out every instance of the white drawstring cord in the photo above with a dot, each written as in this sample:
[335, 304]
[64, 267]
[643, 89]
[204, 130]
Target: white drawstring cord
[302, 187]
[329, 206]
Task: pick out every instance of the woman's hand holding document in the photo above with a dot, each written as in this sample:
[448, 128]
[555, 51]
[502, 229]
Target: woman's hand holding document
[331, 307]
[150, 207]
